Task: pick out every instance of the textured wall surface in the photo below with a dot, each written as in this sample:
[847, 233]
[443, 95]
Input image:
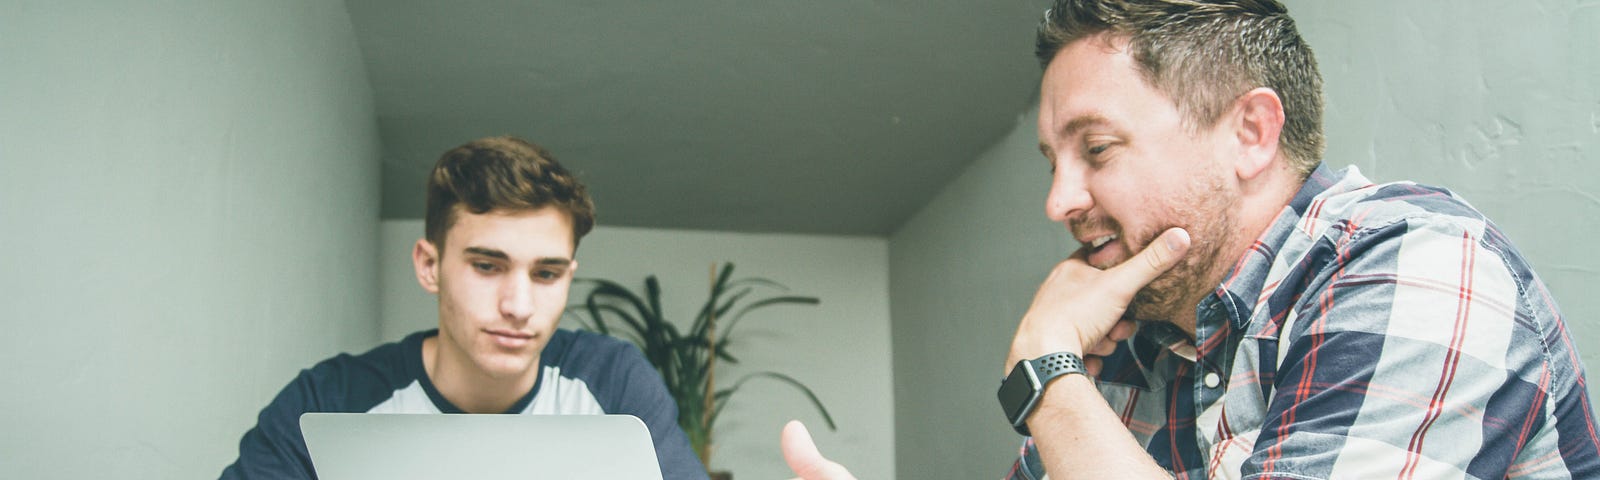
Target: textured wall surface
[188, 212]
[838, 348]
[1496, 100]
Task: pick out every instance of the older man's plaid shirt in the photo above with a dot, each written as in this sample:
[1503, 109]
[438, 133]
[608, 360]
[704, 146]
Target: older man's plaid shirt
[1373, 331]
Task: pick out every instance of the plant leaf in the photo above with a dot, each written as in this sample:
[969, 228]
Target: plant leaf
[723, 395]
[767, 302]
[758, 281]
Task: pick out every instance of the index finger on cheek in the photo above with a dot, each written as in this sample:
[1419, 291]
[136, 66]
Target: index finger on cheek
[1160, 255]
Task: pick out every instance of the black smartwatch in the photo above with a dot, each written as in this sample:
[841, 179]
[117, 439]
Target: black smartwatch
[1020, 391]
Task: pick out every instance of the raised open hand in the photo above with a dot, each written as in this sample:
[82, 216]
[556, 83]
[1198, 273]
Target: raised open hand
[802, 456]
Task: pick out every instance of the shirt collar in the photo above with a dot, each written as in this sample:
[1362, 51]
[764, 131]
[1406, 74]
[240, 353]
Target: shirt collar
[1233, 303]
[1229, 308]
[1223, 315]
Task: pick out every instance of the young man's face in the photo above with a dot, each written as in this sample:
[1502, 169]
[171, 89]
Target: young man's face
[1125, 168]
[502, 280]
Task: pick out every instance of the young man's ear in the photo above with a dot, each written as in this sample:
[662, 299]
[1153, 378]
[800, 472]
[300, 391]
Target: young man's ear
[1258, 122]
[425, 259]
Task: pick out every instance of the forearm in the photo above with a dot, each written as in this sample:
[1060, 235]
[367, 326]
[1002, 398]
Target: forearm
[1079, 436]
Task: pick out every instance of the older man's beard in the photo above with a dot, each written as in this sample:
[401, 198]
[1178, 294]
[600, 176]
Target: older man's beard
[1210, 220]
[1170, 294]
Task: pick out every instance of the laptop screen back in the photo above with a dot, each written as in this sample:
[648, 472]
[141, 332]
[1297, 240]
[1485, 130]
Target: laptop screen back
[362, 446]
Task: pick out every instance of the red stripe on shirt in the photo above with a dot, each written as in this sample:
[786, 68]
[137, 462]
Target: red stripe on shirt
[1127, 410]
[1172, 429]
[1452, 360]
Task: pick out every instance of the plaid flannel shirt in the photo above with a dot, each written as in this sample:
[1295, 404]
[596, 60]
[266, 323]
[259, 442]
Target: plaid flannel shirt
[1373, 331]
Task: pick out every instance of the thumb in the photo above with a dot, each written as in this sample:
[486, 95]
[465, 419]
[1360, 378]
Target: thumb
[1159, 256]
[802, 456]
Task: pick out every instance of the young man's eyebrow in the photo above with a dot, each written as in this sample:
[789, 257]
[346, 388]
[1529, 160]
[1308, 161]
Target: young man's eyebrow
[487, 252]
[553, 262]
[500, 255]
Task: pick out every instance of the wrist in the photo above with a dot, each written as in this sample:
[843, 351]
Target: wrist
[1029, 347]
[1022, 390]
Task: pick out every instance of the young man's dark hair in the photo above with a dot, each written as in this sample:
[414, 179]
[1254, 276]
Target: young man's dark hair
[502, 173]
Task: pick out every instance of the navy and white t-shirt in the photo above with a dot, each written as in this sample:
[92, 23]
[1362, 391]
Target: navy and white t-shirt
[581, 373]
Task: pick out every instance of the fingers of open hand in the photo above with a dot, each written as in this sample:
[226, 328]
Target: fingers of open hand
[802, 456]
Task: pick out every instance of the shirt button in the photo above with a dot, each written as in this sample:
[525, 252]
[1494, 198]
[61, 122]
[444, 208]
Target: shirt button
[1212, 380]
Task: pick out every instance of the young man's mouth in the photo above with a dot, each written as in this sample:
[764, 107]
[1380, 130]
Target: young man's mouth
[510, 338]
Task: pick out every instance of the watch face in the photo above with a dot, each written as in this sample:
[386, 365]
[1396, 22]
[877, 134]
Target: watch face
[1017, 391]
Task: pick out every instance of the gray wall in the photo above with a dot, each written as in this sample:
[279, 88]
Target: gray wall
[1496, 100]
[961, 274]
[838, 348]
[188, 213]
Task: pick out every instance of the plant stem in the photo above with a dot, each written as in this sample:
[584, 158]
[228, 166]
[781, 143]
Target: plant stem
[711, 368]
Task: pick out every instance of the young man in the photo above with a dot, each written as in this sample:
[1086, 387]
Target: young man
[502, 225]
[1246, 312]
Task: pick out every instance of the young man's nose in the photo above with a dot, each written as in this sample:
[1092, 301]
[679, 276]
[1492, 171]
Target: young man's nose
[516, 299]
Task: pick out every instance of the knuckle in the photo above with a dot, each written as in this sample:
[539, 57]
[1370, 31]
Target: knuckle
[1155, 260]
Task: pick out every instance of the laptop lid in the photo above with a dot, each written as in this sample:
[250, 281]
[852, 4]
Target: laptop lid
[362, 446]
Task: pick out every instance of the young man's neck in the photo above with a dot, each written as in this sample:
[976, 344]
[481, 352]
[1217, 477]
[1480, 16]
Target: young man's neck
[468, 388]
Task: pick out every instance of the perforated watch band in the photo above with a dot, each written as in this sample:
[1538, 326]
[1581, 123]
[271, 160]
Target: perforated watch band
[1055, 365]
[1045, 369]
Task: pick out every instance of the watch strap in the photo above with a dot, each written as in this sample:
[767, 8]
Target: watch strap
[1055, 365]
[1048, 368]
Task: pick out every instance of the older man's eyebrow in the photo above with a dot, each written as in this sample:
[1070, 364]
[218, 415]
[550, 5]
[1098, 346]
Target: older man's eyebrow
[1072, 127]
[1081, 122]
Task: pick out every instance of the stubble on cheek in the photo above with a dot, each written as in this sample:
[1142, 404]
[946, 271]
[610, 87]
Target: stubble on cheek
[1209, 219]
[1163, 298]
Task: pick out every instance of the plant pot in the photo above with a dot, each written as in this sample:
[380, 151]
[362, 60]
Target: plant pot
[722, 475]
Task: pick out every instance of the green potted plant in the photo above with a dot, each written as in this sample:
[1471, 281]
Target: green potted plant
[687, 359]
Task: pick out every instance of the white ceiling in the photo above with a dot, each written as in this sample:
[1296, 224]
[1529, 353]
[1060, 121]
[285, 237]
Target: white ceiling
[809, 116]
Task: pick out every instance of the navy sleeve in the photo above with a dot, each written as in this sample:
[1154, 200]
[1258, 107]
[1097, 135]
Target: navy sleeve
[274, 448]
[641, 393]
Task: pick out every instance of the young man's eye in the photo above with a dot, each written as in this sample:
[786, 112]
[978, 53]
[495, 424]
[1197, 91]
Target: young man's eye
[485, 267]
[547, 275]
[1098, 149]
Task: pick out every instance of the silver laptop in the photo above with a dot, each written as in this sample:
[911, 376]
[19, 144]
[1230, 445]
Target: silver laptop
[362, 446]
